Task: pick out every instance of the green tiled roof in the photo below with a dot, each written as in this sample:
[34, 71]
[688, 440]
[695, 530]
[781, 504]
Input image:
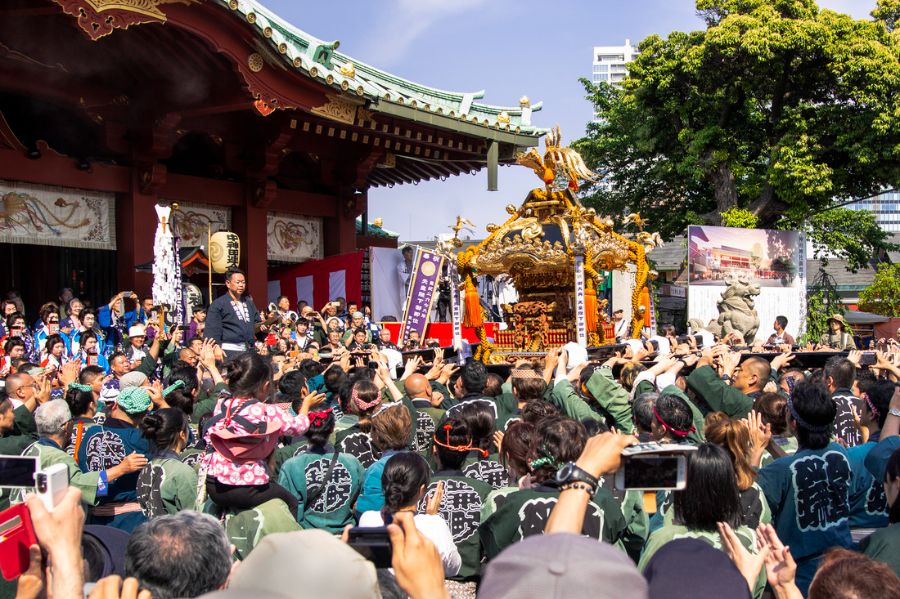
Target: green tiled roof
[321, 61]
[375, 231]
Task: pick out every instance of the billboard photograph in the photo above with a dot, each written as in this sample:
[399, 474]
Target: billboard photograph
[747, 274]
[764, 257]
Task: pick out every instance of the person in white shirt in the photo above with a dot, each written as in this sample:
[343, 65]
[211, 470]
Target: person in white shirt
[405, 268]
[620, 323]
[404, 480]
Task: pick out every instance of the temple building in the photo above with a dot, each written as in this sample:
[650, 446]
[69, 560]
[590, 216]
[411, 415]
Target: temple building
[248, 123]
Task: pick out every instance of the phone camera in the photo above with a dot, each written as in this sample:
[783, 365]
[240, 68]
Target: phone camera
[41, 482]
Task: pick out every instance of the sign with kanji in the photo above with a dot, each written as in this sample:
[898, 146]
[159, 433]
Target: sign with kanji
[422, 285]
[224, 251]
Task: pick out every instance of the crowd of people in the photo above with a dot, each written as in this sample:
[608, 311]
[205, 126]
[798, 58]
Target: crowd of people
[231, 456]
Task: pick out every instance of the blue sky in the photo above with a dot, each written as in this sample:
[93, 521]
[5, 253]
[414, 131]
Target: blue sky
[508, 48]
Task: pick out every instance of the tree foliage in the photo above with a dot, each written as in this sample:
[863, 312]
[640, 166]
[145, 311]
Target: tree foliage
[777, 107]
[851, 235]
[740, 218]
[883, 295]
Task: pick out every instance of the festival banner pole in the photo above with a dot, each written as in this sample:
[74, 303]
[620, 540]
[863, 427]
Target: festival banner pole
[455, 310]
[209, 259]
[421, 293]
[580, 323]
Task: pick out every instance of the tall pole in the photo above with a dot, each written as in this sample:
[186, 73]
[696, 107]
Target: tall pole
[209, 258]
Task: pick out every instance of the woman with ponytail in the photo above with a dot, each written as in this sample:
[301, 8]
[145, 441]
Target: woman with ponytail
[524, 512]
[404, 480]
[325, 481]
[166, 485]
[734, 437]
[359, 399]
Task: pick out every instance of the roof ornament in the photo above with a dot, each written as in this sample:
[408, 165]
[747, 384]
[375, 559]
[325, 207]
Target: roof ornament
[348, 70]
[557, 162]
[323, 52]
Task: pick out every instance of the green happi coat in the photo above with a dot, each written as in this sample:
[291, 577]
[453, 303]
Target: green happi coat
[524, 513]
[166, 485]
[246, 528]
[461, 510]
[23, 434]
[611, 401]
[332, 510]
[671, 532]
[51, 454]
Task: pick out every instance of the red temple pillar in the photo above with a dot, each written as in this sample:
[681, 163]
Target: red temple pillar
[249, 222]
[339, 232]
[136, 228]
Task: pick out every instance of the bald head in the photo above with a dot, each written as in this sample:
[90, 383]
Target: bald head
[753, 375]
[416, 385]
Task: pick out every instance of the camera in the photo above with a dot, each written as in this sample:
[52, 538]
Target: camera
[654, 466]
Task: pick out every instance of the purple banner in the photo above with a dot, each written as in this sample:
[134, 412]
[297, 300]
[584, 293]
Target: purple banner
[423, 281]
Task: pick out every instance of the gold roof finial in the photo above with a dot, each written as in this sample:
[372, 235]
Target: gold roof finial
[524, 101]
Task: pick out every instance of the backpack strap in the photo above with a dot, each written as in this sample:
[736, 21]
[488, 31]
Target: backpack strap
[315, 494]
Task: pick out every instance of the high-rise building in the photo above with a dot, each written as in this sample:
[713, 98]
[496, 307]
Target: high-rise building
[885, 207]
[610, 63]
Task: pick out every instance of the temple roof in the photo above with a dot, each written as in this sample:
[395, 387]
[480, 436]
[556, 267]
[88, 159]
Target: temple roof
[322, 62]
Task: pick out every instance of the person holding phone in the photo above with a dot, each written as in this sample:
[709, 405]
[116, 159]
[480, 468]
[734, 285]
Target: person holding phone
[404, 481]
[46, 326]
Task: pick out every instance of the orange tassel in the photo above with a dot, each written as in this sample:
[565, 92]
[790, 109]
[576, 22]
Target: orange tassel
[473, 317]
[590, 307]
[645, 301]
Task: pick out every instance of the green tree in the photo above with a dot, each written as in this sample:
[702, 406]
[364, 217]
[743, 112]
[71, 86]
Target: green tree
[883, 295]
[822, 301]
[777, 107]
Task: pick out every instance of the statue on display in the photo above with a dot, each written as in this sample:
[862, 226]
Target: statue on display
[737, 312]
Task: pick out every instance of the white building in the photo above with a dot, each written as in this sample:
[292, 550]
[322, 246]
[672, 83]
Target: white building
[610, 62]
[885, 207]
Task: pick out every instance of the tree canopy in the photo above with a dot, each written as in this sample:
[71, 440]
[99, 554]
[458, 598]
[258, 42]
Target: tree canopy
[883, 295]
[777, 108]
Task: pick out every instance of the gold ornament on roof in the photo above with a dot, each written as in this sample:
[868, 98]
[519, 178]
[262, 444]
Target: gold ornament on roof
[503, 118]
[348, 70]
[378, 222]
[557, 161]
[524, 101]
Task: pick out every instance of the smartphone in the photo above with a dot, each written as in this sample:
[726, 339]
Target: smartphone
[53, 328]
[868, 359]
[373, 543]
[17, 471]
[654, 466]
[51, 484]
[92, 359]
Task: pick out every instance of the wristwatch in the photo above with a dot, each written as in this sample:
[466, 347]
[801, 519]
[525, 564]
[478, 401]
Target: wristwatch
[892, 412]
[571, 473]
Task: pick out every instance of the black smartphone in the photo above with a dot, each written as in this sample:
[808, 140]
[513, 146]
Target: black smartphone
[868, 359]
[373, 543]
[17, 471]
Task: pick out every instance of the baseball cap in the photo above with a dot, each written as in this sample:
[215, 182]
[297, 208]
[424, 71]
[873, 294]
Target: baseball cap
[137, 330]
[562, 565]
[327, 567]
[694, 569]
[133, 379]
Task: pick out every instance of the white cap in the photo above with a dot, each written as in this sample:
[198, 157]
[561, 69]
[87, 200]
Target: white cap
[137, 330]
[577, 355]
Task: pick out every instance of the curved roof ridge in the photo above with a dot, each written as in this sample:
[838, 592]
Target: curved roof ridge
[306, 52]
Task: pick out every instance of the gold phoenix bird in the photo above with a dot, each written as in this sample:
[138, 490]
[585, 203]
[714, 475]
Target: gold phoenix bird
[556, 158]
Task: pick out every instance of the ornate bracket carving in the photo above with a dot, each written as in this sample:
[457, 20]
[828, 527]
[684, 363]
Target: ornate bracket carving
[264, 193]
[151, 176]
[98, 18]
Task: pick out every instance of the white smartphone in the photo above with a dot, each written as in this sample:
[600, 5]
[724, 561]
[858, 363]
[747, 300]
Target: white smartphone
[652, 466]
[51, 484]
